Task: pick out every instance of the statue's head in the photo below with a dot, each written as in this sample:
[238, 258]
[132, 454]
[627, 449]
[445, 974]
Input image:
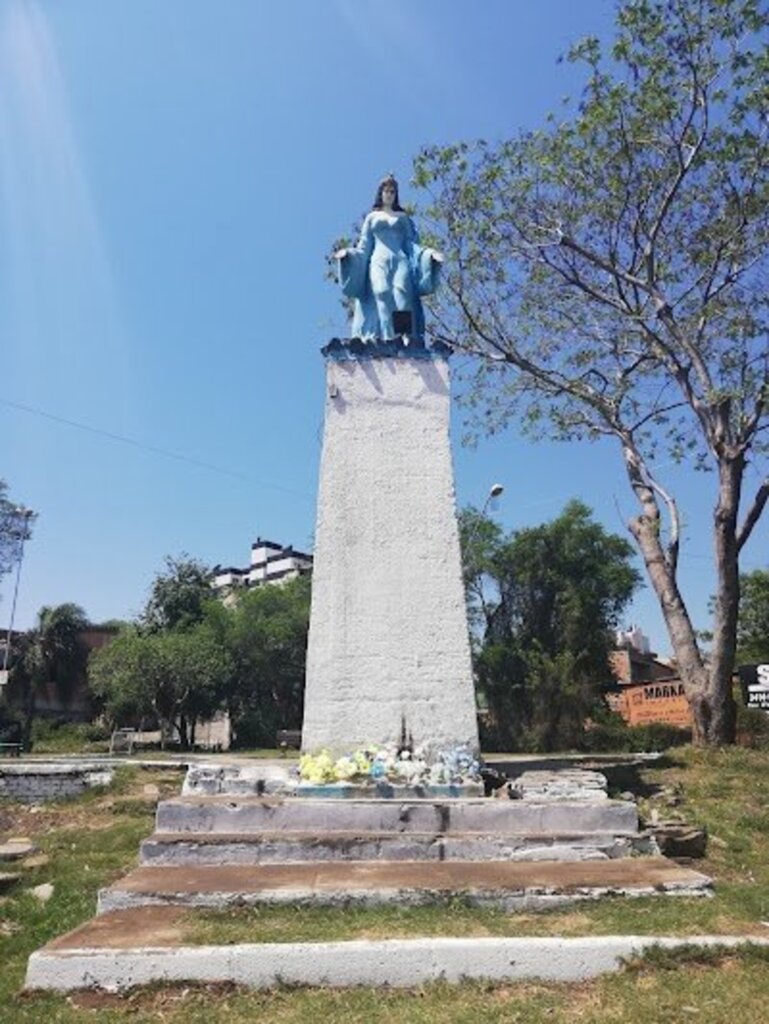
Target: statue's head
[388, 182]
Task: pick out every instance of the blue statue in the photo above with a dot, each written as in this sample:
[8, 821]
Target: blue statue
[387, 272]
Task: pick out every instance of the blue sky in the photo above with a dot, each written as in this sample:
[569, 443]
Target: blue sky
[171, 176]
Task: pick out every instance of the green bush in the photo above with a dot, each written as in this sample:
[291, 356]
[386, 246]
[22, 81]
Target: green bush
[10, 726]
[752, 727]
[616, 737]
[52, 735]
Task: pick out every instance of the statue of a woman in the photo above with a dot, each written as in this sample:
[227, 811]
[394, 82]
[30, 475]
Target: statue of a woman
[388, 271]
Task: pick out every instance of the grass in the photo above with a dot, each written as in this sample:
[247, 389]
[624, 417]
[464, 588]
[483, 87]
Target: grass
[725, 791]
[92, 840]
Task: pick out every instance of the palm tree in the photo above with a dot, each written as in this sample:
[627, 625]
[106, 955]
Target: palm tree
[52, 652]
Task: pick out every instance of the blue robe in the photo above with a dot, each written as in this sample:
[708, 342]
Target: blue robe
[387, 271]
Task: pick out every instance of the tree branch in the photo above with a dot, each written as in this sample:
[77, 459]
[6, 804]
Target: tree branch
[754, 514]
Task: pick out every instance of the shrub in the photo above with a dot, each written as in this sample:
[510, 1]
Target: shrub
[613, 737]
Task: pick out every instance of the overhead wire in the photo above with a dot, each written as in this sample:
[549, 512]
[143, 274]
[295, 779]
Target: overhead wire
[155, 449]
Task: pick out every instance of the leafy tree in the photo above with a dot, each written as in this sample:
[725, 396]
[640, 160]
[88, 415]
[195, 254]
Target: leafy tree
[609, 271]
[753, 624]
[123, 674]
[482, 541]
[51, 653]
[178, 676]
[265, 635]
[549, 598]
[178, 595]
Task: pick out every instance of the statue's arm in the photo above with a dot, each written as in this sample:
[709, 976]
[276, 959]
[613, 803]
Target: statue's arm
[353, 264]
[365, 243]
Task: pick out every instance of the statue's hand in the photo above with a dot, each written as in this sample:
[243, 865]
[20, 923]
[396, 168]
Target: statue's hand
[340, 254]
[437, 256]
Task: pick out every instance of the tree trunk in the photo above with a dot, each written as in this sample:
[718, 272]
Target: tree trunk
[646, 530]
[715, 712]
[708, 688]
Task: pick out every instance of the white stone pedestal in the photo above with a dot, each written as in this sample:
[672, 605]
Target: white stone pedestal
[388, 650]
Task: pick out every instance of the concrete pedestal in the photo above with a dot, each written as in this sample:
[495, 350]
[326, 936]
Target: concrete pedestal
[388, 651]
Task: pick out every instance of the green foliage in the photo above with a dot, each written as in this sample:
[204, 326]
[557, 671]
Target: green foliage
[121, 675]
[615, 737]
[752, 727]
[52, 652]
[51, 736]
[265, 635]
[246, 656]
[178, 676]
[545, 600]
[179, 595]
[753, 624]
[605, 258]
[57, 653]
[92, 840]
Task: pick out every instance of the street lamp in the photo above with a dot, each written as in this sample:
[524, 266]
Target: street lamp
[494, 492]
[21, 530]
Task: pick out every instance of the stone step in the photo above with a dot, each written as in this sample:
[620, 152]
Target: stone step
[498, 817]
[513, 885]
[297, 847]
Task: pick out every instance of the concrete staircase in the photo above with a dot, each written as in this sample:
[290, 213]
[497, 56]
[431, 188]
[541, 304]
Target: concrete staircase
[561, 839]
[552, 837]
[220, 830]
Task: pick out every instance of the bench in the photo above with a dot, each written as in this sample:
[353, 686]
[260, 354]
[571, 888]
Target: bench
[10, 749]
[124, 738]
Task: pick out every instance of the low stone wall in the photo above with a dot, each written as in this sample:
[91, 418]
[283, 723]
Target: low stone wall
[36, 783]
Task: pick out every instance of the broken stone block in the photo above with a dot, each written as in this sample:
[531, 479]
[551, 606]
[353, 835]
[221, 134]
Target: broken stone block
[677, 840]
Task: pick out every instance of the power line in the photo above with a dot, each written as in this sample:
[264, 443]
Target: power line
[150, 448]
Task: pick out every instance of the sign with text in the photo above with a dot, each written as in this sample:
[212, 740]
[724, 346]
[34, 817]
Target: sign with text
[754, 680]
[659, 701]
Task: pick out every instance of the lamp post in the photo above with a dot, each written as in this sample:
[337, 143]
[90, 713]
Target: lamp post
[494, 492]
[21, 531]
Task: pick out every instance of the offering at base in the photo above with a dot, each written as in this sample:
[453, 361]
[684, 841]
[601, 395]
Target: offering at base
[374, 765]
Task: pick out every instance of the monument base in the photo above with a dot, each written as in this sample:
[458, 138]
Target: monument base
[388, 791]
[388, 657]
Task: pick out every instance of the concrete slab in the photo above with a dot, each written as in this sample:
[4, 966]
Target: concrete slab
[498, 817]
[512, 884]
[17, 849]
[72, 964]
[178, 848]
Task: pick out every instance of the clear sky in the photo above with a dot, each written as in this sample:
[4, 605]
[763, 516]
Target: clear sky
[172, 173]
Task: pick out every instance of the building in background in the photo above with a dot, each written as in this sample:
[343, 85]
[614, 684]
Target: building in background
[270, 563]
